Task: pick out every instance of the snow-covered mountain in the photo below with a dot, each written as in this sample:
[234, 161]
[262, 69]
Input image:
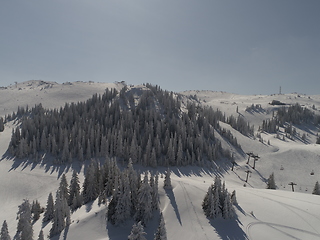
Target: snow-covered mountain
[261, 213]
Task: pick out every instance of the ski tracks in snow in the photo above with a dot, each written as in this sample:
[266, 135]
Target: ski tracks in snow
[295, 210]
[278, 227]
[193, 214]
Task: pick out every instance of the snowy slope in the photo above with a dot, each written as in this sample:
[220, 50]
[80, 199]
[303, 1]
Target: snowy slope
[49, 94]
[262, 213]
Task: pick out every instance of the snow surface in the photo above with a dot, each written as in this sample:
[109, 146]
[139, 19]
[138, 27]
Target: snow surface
[261, 213]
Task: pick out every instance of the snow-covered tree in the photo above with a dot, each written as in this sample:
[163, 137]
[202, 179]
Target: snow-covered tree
[161, 233]
[234, 198]
[211, 202]
[123, 207]
[144, 208]
[63, 187]
[316, 189]
[4, 235]
[48, 214]
[74, 200]
[1, 124]
[90, 185]
[58, 221]
[137, 232]
[154, 193]
[228, 210]
[152, 130]
[217, 202]
[271, 184]
[24, 228]
[167, 180]
[36, 210]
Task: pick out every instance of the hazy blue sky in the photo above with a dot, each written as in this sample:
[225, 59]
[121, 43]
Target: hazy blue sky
[239, 46]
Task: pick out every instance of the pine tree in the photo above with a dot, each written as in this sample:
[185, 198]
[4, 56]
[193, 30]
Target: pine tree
[58, 221]
[228, 210]
[74, 200]
[271, 184]
[161, 233]
[48, 214]
[90, 185]
[24, 228]
[123, 207]
[36, 210]
[167, 180]
[217, 201]
[4, 235]
[234, 198]
[63, 187]
[144, 208]
[154, 193]
[133, 182]
[1, 125]
[206, 203]
[137, 232]
[316, 189]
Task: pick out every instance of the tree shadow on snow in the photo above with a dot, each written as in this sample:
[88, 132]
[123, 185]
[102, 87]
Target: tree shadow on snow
[229, 229]
[65, 233]
[89, 206]
[173, 202]
[122, 231]
[56, 237]
[119, 232]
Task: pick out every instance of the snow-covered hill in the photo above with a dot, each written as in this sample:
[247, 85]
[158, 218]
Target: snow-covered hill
[261, 213]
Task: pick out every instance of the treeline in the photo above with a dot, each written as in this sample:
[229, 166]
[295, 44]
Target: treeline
[149, 127]
[295, 114]
[126, 195]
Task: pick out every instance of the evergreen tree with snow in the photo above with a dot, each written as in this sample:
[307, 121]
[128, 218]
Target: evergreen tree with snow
[211, 202]
[58, 221]
[132, 178]
[154, 193]
[63, 187]
[144, 208]
[1, 125]
[228, 210]
[161, 233]
[123, 207]
[24, 228]
[316, 189]
[74, 200]
[4, 235]
[36, 210]
[271, 184]
[217, 202]
[90, 185]
[167, 180]
[48, 214]
[234, 198]
[137, 232]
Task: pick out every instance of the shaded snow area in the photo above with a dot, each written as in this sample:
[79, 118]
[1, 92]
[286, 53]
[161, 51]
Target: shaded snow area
[260, 213]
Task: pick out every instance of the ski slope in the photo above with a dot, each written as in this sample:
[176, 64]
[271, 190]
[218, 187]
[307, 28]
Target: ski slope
[261, 213]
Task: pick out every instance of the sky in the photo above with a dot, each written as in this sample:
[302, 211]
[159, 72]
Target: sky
[243, 47]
